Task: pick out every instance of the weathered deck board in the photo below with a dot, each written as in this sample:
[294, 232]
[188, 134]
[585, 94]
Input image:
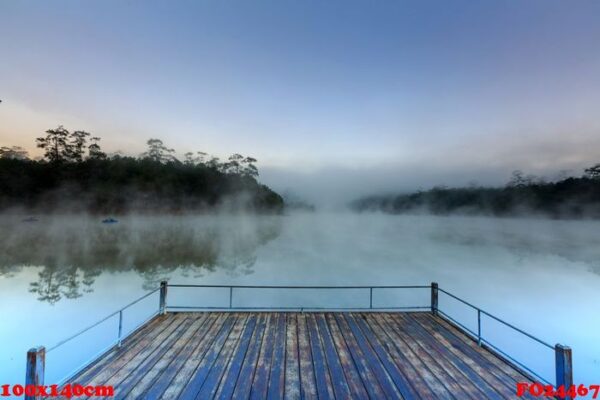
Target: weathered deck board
[419, 369]
[244, 381]
[292, 367]
[460, 372]
[263, 367]
[308, 388]
[323, 378]
[301, 356]
[397, 372]
[501, 375]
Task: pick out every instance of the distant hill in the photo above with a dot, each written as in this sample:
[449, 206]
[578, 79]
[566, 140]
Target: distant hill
[575, 197]
[76, 176]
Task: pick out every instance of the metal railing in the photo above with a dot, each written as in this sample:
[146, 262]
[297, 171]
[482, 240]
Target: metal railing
[36, 356]
[120, 330]
[563, 363]
[482, 341]
[235, 288]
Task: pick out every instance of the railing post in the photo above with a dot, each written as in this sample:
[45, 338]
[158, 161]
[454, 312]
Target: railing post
[120, 328]
[230, 296]
[162, 305]
[371, 298]
[564, 367]
[434, 298]
[478, 327]
[36, 364]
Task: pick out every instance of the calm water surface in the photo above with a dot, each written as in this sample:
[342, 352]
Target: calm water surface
[59, 274]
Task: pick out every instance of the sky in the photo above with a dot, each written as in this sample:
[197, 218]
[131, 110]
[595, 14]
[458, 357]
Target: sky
[341, 98]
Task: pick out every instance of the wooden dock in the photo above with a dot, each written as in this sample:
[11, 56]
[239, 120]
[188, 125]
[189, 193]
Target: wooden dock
[341, 355]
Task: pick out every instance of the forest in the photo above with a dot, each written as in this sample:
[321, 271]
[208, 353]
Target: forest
[76, 175]
[572, 197]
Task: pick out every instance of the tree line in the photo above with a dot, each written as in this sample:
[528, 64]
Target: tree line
[523, 195]
[75, 174]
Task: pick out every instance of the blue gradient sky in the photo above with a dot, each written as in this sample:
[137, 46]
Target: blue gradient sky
[324, 93]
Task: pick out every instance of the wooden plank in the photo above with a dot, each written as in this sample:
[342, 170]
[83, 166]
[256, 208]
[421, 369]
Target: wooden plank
[115, 372]
[131, 346]
[277, 375]
[230, 378]
[439, 360]
[436, 377]
[501, 365]
[471, 354]
[185, 373]
[322, 376]
[160, 384]
[141, 379]
[469, 347]
[365, 360]
[263, 366]
[308, 356]
[123, 384]
[292, 366]
[243, 386]
[353, 368]
[474, 386]
[340, 385]
[425, 382]
[199, 376]
[308, 387]
[355, 383]
[400, 380]
[211, 384]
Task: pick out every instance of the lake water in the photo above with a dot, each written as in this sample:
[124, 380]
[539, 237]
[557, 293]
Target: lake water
[60, 274]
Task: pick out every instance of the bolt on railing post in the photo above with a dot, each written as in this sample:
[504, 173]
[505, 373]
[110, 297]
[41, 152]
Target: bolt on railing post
[120, 328]
[479, 327]
[564, 367]
[162, 303]
[371, 298]
[230, 296]
[434, 298]
[36, 364]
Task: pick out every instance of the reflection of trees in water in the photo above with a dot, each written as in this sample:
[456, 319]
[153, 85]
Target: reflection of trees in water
[74, 253]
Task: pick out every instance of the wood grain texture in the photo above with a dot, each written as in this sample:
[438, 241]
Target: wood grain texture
[268, 355]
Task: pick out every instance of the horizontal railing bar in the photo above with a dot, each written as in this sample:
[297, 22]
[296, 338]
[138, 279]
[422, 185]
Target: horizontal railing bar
[520, 364]
[295, 308]
[299, 287]
[98, 322]
[87, 363]
[106, 350]
[488, 343]
[519, 330]
[499, 320]
[81, 332]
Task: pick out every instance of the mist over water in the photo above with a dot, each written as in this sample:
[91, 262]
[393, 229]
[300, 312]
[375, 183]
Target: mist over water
[58, 274]
[72, 252]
